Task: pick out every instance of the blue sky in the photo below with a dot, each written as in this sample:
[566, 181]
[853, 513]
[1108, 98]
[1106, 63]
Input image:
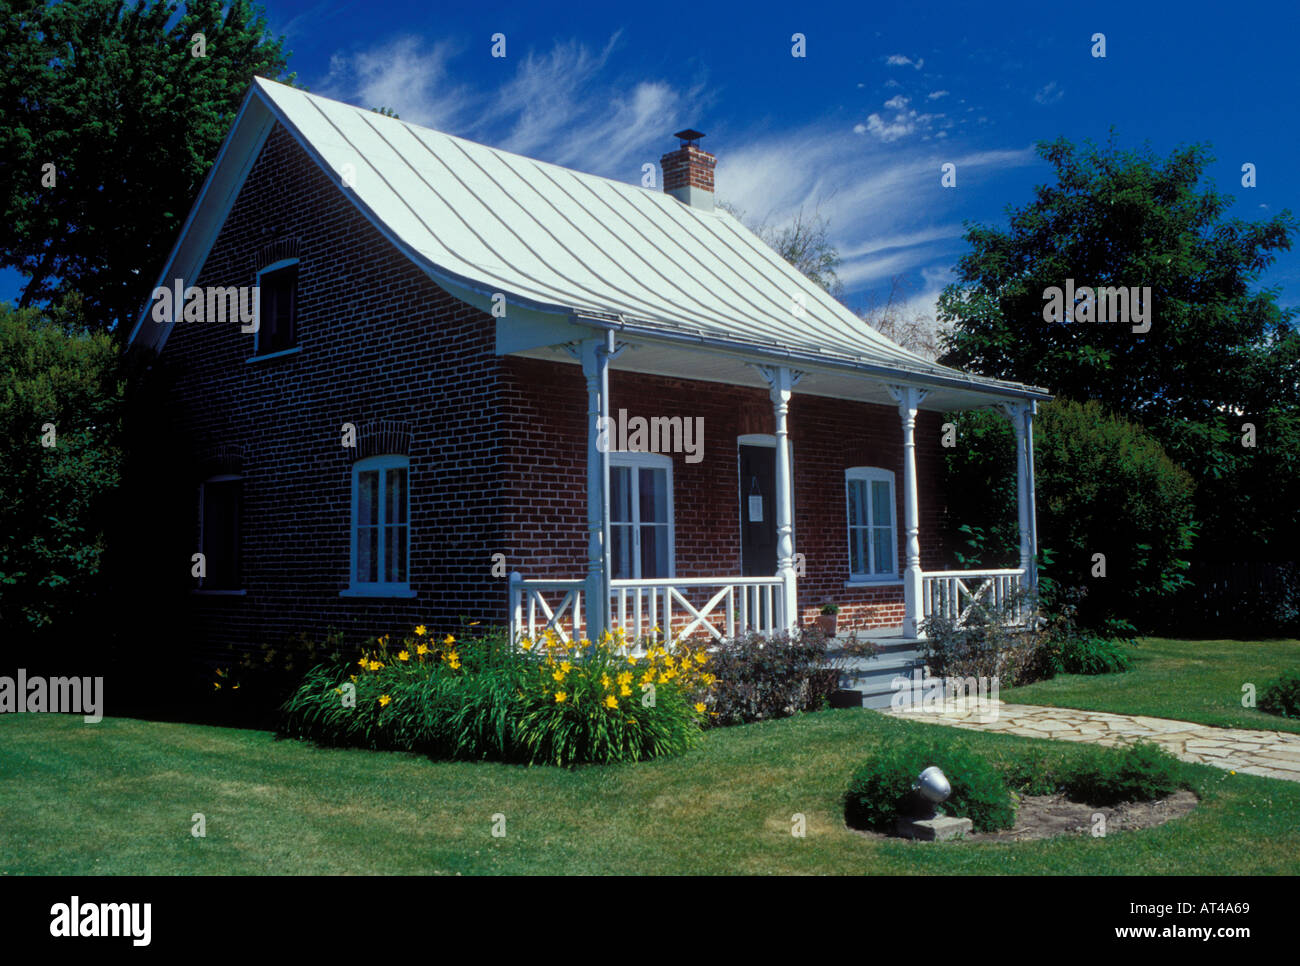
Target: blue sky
[859, 127]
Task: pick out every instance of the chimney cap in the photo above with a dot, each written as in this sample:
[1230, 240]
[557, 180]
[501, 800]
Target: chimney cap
[689, 136]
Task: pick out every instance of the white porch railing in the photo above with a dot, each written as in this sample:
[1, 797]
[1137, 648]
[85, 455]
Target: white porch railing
[720, 607]
[953, 594]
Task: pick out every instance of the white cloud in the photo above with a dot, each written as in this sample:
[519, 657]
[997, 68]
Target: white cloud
[897, 102]
[1049, 94]
[902, 60]
[401, 74]
[935, 95]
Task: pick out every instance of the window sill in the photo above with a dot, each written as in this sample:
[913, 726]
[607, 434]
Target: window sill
[395, 591]
[218, 593]
[882, 582]
[273, 355]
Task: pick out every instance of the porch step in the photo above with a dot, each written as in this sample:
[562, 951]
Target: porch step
[872, 677]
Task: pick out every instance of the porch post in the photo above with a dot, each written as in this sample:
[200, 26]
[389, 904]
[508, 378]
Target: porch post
[1032, 574]
[595, 362]
[782, 382]
[1021, 420]
[909, 398]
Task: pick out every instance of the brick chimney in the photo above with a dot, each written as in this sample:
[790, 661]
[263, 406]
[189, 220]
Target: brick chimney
[688, 172]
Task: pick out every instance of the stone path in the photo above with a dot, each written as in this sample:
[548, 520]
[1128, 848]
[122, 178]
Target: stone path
[1273, 754]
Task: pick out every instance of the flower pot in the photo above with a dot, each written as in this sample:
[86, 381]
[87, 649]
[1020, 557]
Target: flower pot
[829, 623]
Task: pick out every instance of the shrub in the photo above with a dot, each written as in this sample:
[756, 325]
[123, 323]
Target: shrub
[1002, 641]
[1141, 772]
[760, 678]
[1282, 696]
[1091, 654]
[1104, 485]
[543, 702]
[880, 790]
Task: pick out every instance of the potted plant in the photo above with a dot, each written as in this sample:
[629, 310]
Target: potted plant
[828, 621]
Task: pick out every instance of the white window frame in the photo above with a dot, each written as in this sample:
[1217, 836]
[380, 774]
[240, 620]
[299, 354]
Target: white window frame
[221, 591]
[636, 460]
[258, 354]
[359, 588]
[869, 475]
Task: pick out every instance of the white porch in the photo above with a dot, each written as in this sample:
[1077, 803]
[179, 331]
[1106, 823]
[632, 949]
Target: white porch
[725, 605]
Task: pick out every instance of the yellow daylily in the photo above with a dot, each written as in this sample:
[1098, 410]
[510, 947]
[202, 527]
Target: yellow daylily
[561, 697]
[421, 630]
[611, 701]
[403, 655]
[384, 700]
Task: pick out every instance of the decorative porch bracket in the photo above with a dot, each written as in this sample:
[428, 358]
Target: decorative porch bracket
[1021, 415]
[909, 399]
[781, 381]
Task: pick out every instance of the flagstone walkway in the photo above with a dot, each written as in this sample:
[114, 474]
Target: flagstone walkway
[1273, 754]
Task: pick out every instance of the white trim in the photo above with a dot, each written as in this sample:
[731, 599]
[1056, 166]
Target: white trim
[258, 354]
[870, 474]
[359, 588]
[755, 439]
[659, 461]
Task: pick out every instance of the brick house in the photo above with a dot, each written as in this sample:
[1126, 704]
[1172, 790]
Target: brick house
[481, 386]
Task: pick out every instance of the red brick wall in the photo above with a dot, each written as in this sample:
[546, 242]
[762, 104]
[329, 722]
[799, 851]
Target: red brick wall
[378, 341]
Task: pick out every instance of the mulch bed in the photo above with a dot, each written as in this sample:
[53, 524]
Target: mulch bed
[1050, 816]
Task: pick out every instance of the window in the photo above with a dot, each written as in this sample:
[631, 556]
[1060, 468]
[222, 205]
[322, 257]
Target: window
[219, 499]
[873, 536]
[640, 515]
[381, 537]
[277, 307]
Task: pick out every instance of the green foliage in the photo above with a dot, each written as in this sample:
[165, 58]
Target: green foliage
[759, 678]
[1220, 352]
[1103, 486]
[55, 501]
[111, 95]
[1282, 697]
[1003, 641]
[1140, 772]
[481, 698]
[1091, 654]
[881, 788]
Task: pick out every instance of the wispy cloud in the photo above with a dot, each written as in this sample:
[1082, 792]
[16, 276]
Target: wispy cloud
[404, 75]
[902, 60]
[1049, 94]
[935, 95]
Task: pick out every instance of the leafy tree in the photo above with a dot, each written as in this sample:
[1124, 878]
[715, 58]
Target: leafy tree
[1220, 351]
[1104, 486]
[108, 125]
[60, 462]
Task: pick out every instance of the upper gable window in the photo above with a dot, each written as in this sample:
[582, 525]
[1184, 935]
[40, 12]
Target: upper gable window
[277, 307]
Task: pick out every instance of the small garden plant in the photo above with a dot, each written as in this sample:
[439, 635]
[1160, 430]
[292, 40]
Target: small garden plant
[1282, 697]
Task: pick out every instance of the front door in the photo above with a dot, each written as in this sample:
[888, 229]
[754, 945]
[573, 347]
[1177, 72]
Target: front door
[757, 511]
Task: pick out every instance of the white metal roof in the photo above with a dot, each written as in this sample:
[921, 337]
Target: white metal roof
[557, 240]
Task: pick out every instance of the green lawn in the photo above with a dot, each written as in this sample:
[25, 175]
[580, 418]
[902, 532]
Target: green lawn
[117, 797]
[1188, 680]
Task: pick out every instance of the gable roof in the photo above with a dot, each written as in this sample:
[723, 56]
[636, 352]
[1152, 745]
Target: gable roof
[480, 221]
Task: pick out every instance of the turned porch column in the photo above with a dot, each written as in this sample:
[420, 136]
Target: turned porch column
[595, 366]
[782, 380]
[1021, 418]
[909, 399]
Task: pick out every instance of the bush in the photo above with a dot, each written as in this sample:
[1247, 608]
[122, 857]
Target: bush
[1090, 654]
[1003, 641]
[760, 678]
[1282, 697]
[1104, 485]
[1142, 772]
[880, 790]
[543, 702]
